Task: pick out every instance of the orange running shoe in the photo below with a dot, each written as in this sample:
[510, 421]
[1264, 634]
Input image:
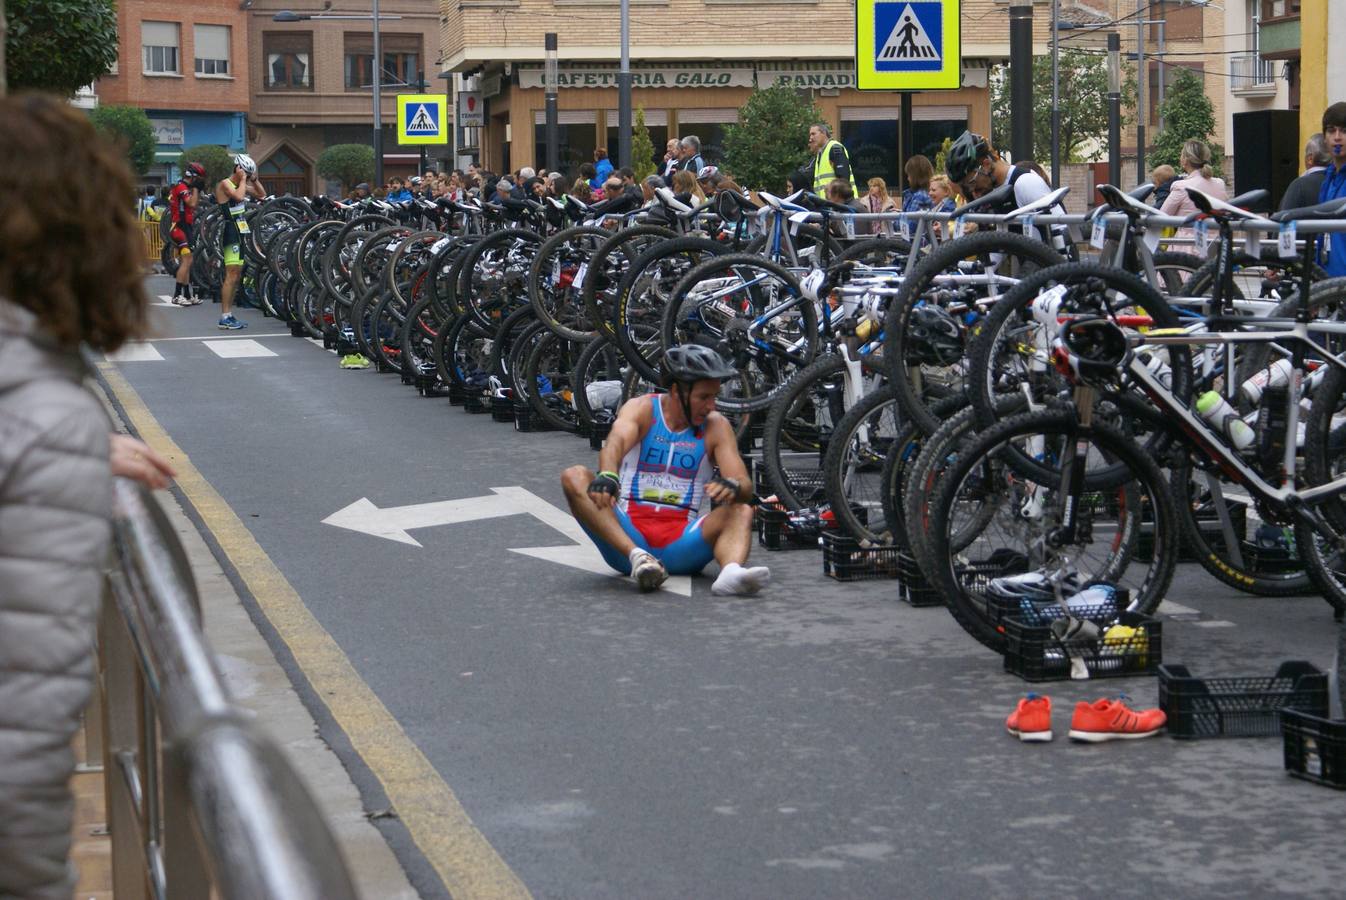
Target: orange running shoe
[1031, 719]
[1110, 720]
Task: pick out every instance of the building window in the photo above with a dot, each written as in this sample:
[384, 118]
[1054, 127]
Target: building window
[287, 55]
[159, 46]
[1279, 9]
[212, 49]
[401, 60]
[577, 139]
[708, 125]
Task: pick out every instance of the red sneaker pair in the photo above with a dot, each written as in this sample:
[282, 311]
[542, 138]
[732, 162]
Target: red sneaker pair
[1102, 720]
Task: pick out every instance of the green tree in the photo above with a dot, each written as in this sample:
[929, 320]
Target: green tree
[349, 164]
[129, 128]
[771, 138]
[642, 147]
[1083, 92]
[1188, 115]
[218, 161]
[59, 45]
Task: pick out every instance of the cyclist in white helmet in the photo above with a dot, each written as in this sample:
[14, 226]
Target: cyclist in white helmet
[233, 191]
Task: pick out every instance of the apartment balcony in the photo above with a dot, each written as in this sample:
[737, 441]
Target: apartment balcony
[1252, 76]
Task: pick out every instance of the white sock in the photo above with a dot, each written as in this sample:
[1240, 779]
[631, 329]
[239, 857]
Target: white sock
[735, 580]
[635, 555]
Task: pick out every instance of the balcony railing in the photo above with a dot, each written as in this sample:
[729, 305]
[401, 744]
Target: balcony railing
[1251, 75]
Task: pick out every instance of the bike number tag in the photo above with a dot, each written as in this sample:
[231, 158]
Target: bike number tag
[848, 225]
[439, 245]
[904, 225]
[958, 227]
[1029, 230]
[1252, 243]
[1202, 238]
[796, 220]
[1152, 237]
[1099, 235]
[579, 275]
[1285, 246]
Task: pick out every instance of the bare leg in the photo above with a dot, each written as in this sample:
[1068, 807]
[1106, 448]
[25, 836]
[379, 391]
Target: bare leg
[729, 530]
[232, 275]
[184, 272]
[601, 521]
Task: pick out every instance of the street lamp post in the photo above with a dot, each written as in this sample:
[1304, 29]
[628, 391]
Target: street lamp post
[1114, 109]
[553, 129]
[286, 15]
[1056, 93]
[624, 91]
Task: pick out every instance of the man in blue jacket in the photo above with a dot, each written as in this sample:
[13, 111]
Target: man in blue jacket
[1334, 185]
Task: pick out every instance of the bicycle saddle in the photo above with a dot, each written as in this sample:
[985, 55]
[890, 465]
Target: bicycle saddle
[667, 199]
[1210, 206]
[1141, 192]
[819, 204]
[731, 205]
[1126, 203]
[1332, 209]
[1045, 202]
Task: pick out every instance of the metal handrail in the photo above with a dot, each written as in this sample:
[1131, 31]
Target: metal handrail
[200, 802]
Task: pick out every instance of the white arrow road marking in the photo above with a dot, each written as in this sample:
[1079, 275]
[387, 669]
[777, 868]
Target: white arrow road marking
[582, 554]
[394, 522]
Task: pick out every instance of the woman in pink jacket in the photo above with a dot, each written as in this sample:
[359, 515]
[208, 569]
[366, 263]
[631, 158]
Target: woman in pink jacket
[1195, 159]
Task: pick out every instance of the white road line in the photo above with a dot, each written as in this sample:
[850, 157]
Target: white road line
[1169, 608]
[1217, 623]
[237, 349]
[222, 337]
[135, 351]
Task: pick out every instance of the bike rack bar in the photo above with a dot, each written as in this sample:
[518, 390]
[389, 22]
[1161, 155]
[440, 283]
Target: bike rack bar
[201, 803]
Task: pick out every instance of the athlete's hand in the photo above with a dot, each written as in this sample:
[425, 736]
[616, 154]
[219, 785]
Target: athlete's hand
[134, 459]
[603, 490]
[722, 490]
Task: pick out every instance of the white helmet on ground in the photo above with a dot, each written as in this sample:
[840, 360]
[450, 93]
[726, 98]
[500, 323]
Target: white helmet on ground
[245, 162]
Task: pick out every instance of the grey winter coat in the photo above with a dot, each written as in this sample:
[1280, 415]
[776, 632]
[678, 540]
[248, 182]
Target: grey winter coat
[55, 509]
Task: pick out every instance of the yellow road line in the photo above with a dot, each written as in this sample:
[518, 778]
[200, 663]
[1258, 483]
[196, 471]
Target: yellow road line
[441, 828]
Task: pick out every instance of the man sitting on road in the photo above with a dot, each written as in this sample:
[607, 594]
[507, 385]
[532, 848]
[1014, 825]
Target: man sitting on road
[658, 464]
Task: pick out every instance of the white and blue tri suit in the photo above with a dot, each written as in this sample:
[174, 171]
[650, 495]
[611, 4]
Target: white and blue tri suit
[663, 485]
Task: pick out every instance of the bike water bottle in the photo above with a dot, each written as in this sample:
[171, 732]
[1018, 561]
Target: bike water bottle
[1223, 417]
[1158, 367]
[1273, 376]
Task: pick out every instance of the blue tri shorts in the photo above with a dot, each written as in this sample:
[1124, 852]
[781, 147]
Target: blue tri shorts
[687, 555]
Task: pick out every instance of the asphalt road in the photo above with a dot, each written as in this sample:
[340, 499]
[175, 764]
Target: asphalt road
[823, 739]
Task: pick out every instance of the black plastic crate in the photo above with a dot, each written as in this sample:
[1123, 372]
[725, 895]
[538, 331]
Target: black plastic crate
[457, 394]
[1315, 748]
[913, 588]
[774, 533]
[1238, 707]
[598, 433]
[527, 419]
[1001, 610]
[1034, 654]
[502, 408]
[475, 403]
[845, 560]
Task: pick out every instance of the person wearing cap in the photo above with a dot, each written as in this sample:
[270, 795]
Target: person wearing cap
[361, 191]
[665, 457]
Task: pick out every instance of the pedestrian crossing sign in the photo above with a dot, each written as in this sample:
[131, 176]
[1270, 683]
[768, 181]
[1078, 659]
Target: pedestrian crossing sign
[421, 119]
[907, 45]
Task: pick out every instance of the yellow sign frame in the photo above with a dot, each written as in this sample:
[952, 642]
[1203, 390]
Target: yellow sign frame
[948, 77]
[440, 101]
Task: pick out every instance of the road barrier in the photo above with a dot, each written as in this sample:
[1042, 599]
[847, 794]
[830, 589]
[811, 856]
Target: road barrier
[200, 802]
[154, 239]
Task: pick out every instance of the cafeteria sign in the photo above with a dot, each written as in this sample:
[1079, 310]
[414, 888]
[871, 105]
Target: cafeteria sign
[642, 78]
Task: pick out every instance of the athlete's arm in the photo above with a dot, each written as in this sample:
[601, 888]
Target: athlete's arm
[723, 449]
[626, 433]
[232, 192]
[255, 185]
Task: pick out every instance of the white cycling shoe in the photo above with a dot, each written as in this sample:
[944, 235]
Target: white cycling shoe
[648, 572]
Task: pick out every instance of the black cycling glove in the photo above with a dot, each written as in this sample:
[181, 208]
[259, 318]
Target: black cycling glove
[731, 483]
[605, 483]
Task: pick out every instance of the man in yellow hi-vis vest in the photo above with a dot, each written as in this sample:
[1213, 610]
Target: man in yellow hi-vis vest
[830, 160]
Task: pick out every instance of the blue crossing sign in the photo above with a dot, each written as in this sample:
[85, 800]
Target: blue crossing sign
[907, 45]
[421, 119]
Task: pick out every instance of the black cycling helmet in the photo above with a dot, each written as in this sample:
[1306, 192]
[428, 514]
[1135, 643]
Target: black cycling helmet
[963, 154]
[688, 363]
[1096, 348]
[933, 337]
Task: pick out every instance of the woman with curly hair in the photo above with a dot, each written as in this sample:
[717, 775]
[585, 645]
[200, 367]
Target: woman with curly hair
[70, 275]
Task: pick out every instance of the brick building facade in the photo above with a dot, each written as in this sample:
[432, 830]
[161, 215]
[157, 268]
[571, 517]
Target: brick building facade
[695, 62]
[310, 84]
[183, 63]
